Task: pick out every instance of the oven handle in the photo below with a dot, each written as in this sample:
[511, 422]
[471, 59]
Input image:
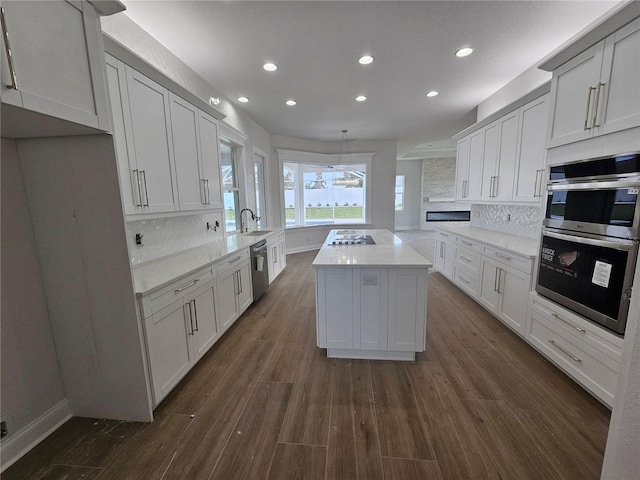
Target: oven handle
[604, 185]
[624, 245]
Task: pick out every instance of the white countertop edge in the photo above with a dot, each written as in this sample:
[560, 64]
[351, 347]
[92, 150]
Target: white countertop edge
[194, 260]
[389, 251]
[526, 247]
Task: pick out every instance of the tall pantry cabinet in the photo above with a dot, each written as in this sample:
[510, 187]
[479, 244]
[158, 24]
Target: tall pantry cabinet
[66, 152]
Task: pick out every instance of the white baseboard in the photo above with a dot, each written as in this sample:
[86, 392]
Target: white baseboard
[18, 444]
[305, 248]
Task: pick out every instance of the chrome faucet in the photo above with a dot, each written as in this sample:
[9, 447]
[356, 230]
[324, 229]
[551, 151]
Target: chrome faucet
[253, 217]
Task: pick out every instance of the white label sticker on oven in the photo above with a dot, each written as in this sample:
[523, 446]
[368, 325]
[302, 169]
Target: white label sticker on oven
[633, 191]
[601, 273]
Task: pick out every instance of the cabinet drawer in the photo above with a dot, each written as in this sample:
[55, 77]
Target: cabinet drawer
[524, 264]
[466, 280]
[469, 244]
[468, 259]
[232, 261]
[574, 325]
[597, 372]
[157, 300]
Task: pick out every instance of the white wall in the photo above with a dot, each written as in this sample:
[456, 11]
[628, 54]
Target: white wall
[409, 219]
[383, 171]
[30, 382]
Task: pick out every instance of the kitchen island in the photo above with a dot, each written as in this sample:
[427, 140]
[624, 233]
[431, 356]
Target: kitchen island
[371, 298]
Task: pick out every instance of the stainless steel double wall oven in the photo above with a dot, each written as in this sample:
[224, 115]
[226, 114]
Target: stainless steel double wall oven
[590, 237]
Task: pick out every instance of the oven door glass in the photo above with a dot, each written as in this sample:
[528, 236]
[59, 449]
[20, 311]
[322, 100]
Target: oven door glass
[588, 275]
[611, 206]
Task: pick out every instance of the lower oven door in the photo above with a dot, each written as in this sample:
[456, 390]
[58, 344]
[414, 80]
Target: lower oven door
[589, 274]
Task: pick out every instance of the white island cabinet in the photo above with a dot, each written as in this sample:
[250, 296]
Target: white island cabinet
[371, 299]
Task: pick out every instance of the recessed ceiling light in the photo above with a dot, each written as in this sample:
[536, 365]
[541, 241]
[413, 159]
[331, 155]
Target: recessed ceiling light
[243, 99]
[360, 98]
[270, 67]
[432, 93]
[291, 103]
[365, 59]
[463, 52]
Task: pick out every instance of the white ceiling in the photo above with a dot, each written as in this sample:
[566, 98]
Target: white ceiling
[316, 45]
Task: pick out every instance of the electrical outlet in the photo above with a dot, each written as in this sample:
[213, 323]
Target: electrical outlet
[4, 431]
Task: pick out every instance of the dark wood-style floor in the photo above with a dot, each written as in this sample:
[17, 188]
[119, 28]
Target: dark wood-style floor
[265, 403]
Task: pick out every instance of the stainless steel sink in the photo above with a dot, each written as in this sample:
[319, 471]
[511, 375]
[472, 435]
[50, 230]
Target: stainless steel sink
[256, 233]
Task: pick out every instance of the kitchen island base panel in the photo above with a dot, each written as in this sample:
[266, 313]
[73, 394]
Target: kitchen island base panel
[371, 354]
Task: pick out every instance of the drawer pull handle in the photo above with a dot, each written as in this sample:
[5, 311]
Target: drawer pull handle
[235, 259]
[555, 315]
[464, 280]
[178, 290]
[504, 257]
[465, 259]
[572, 357]
[444, 234]
[467, 243]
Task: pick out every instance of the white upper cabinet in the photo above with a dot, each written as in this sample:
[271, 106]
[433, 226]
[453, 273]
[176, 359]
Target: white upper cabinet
[621, 72]
[154, 174]
[503, 161]
[597, 91]
[57, 65]
[529, 176]
[499, 158]
[210, 160]
[186, 148]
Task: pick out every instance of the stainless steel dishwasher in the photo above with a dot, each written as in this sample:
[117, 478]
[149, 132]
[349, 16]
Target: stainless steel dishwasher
[259, 269]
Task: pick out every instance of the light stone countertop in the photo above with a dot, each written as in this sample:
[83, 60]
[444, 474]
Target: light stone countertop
[528, 247]
[155, 274]
[389, 251]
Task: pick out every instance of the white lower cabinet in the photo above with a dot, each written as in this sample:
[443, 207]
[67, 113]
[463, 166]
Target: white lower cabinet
[180, 326]
[504, 291]
[234, 292]
[445, 253]
[277, 255]
[584, 351]
[376, 313]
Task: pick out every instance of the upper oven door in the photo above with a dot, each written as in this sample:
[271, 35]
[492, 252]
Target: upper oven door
[607, 208]
[588, 274]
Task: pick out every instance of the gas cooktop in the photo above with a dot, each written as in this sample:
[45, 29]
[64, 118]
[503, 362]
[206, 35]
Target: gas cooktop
[351, 239]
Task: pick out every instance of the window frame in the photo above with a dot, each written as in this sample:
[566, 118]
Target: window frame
[301, 157]
[236, 139]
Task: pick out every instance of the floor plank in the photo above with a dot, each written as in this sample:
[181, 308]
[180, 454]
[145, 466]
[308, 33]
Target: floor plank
[66, 472]
[298, 462]
[405, 469]
[251, 448]
[402, 433]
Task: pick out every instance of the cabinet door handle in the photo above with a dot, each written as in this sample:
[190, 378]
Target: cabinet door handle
[179, 289]
[535, 185]
[137, 172]
[203, 192]
[541, 182]
[190, 318]
[495, 280]
[571, 356]
[596, 104]
[586, 114]
[195, 313]
[466, 189]
[7, 47]
[555, 315]
[500, 280]
[146, 190]
[240, 282]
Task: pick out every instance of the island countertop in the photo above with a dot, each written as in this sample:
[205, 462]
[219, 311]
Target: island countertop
[389, 250]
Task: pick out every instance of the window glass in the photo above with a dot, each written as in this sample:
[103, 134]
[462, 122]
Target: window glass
[230, 191]
[399, 202]
[324, 194]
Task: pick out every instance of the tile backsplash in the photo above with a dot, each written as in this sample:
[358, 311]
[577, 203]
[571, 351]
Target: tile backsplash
[164, 236]
[522, 221]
